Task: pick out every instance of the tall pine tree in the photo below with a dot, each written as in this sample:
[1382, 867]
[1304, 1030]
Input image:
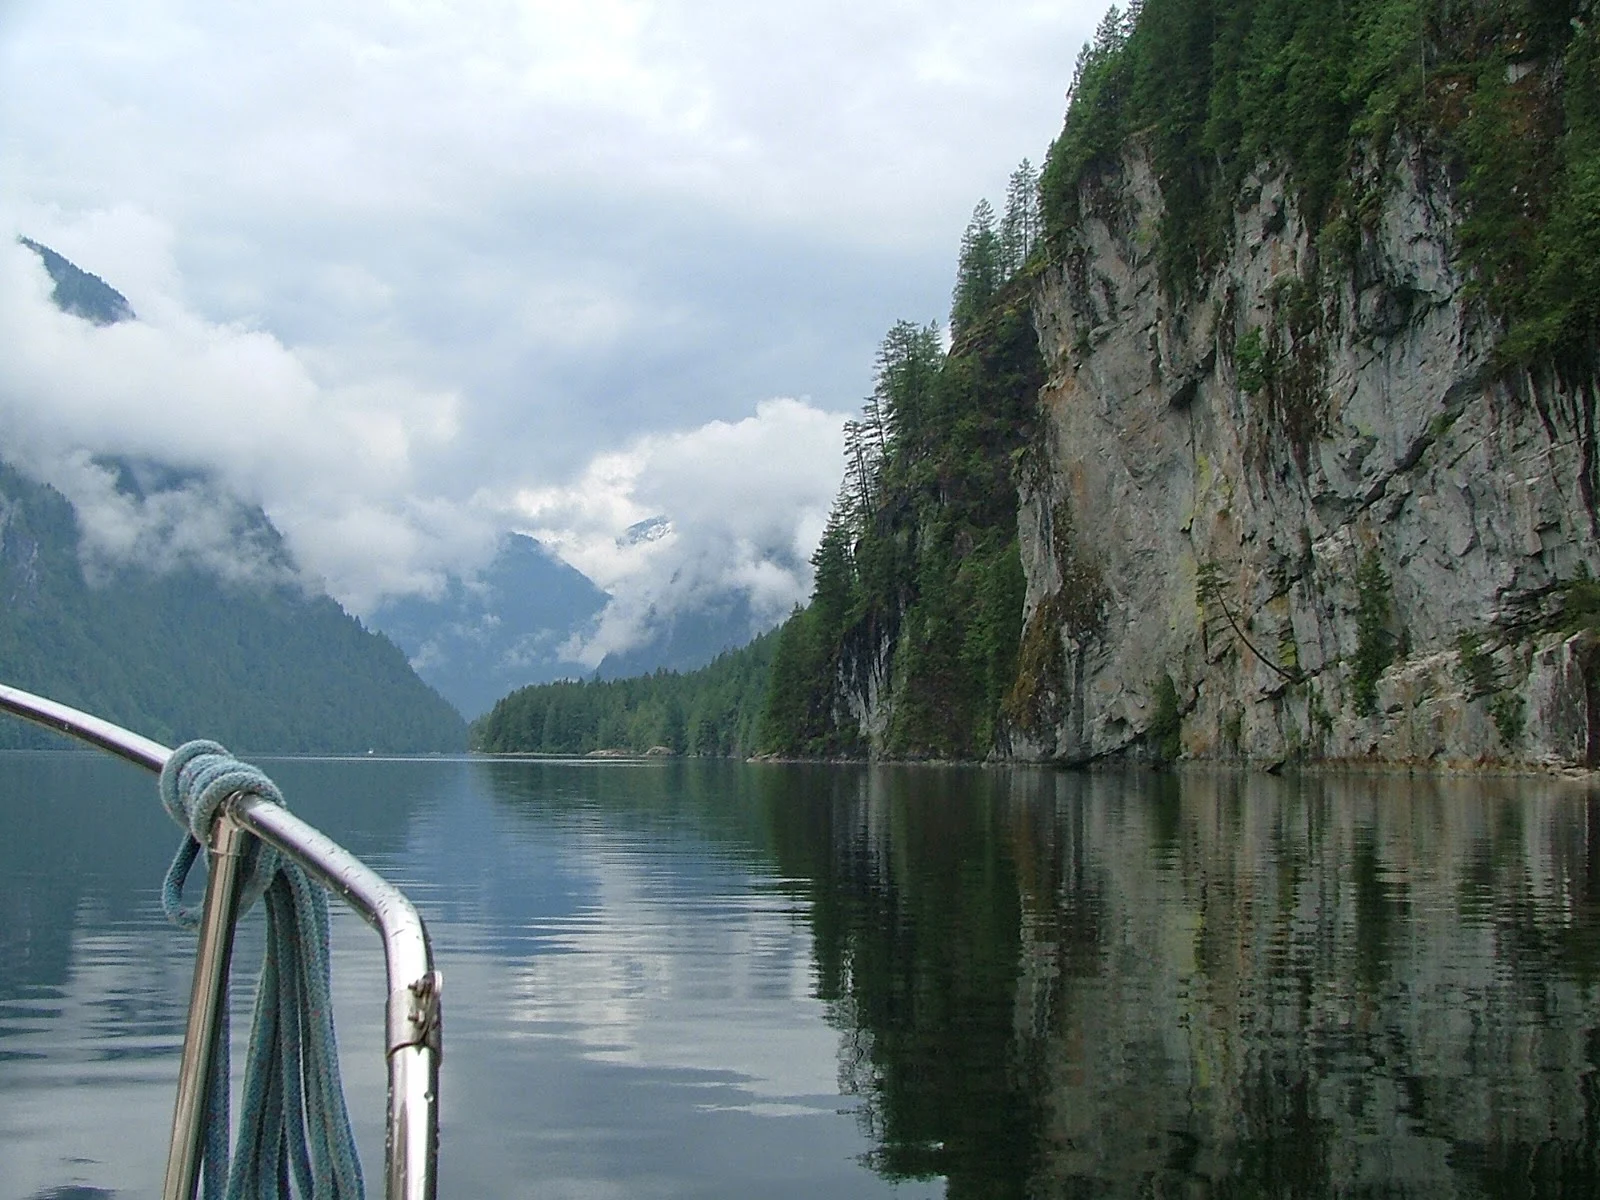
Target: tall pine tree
[1019, 228]
[979, 269]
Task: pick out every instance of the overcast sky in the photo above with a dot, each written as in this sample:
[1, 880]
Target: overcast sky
[413, 273]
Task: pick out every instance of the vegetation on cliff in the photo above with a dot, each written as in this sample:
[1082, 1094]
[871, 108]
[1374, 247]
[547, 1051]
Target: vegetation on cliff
[1507, 91]
[919, 583]
[914, 643]
[918, 576]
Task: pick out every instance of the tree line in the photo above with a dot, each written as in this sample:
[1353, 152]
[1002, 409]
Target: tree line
[714, 711]
[919, 589]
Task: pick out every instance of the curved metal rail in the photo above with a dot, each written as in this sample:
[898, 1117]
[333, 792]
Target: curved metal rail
[412, 1042]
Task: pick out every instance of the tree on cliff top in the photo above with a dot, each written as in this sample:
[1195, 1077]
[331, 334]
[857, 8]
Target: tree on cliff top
[979, 269]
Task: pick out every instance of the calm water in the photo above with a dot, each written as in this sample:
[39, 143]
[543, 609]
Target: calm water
[728, 980]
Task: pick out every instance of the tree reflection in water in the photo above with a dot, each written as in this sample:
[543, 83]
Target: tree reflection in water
[1206, 984]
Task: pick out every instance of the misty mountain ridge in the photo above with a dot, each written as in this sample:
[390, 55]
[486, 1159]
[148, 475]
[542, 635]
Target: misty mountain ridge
[522, 619]
[159, 599]
[80, 293]
[516, 622]
[686, 639]
[182, 652]
[170, 517]
[506, 627]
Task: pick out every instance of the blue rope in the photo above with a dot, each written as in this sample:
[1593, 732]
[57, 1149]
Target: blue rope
[293, 1127]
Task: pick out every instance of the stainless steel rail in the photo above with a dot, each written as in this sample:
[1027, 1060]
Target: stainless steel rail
[412, 1032]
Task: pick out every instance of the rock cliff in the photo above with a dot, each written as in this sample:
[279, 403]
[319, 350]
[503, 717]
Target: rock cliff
[1304, 494]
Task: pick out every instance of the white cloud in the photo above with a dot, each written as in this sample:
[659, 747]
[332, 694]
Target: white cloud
[746, 501]
[332, 466]
[189, 522]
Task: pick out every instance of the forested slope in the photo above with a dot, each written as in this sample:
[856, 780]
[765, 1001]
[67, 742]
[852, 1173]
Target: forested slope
[167, 646]
[179, 654]
[909, 644]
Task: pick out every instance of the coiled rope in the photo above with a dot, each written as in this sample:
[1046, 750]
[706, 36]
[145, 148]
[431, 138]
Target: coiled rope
[293, 1124]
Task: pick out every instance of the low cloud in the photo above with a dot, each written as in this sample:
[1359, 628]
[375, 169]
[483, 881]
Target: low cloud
[241, 416]
[418, 260]
[743, 502]
[234, 418]
[167, 524]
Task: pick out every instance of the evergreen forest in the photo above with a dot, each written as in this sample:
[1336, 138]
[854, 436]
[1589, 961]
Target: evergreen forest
[917, 576]
[1506, 93]
[177, 655]
[715, 711]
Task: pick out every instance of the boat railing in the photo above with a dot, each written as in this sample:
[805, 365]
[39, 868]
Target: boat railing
[412, 1031]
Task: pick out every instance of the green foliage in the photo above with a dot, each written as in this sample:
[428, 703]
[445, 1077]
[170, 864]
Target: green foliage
[1321, 720]
[980, 269]
[918, 577]
[1580, 606]
[1507, 90]
[1021, 226]
[1375, 644]
[1510, 717]
[1532, 184]
[1232, 730]
[1475, 666]
[1480, 677]
[1250, 361]
[1165, 735]
[179, 655]
[1098, 122]
[715, 711]
[1034, 703]
[1212, 594]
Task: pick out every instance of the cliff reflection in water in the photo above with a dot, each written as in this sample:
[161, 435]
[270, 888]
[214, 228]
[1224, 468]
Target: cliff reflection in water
[1125, 984]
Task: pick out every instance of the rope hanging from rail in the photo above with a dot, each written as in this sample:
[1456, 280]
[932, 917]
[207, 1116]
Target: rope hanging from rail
[293, 1124]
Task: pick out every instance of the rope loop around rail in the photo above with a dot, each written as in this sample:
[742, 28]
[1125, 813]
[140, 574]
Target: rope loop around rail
[293, 1123]
[197, 780]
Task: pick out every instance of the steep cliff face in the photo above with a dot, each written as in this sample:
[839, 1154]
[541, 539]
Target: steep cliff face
[1305, 495]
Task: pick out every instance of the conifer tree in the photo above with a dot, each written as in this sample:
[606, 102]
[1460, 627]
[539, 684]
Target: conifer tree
[1019, 228]
[978, 270]
[906, 371]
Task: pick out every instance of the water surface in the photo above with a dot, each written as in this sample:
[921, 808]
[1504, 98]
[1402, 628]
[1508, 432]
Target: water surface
[720, 980]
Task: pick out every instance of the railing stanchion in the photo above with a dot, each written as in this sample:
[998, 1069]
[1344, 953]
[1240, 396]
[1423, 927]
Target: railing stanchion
[206, 999]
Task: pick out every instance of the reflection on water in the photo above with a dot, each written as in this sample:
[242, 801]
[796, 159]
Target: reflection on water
[688, 979]
[1126, 985]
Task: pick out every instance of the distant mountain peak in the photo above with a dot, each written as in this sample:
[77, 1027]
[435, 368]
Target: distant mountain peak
[651, 529]
[80, 293]
[505, 627]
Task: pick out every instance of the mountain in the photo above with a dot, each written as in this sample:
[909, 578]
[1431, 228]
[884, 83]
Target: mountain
[685, 639]
[177, 654]
[179, 642]
[514, 624]
[502, 630]
[1280, 446]
[80, 293]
